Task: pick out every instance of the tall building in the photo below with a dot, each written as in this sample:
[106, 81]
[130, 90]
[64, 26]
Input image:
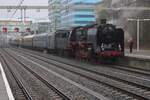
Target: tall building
[41, 27]
[54, 14]
[77, 12]
[70, 13]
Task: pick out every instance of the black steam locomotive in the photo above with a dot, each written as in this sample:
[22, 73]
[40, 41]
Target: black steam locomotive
[97, 41]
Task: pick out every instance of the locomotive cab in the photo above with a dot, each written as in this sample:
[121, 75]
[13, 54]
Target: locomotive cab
[80, 43]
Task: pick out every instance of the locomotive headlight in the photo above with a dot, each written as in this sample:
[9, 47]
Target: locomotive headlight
[119, 47]
[102, 47]
[89, 48]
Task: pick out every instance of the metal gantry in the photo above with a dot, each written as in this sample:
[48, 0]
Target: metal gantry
[22, 9]
[23, 17]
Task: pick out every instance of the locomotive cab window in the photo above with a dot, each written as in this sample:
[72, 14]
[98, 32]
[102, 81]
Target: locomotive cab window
[81, 35]
[58, 35]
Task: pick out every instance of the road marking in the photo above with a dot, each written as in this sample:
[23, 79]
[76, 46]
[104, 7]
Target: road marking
[99, 96]
[8, 89]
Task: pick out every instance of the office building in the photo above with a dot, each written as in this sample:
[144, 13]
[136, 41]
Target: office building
[77, 12]
[54, 8]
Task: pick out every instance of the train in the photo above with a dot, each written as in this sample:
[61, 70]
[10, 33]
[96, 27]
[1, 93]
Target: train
[95, 41]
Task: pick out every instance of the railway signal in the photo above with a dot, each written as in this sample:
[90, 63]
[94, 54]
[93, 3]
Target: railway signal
[16, 29]
[28, 30]
[4, 30]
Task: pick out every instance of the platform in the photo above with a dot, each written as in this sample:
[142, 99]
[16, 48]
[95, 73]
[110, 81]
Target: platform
[137, 59]
[5, 92]
[144, 54]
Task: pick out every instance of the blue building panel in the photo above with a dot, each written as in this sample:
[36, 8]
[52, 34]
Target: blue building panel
[77, 12]
[84, 19]
[82, 1]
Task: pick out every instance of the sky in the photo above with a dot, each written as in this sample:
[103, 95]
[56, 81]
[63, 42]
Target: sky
[31, 14]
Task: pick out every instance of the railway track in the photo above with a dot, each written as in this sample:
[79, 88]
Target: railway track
[133, 71]
[20, 90]
[126, 68]
[55, 94]
[133, 89]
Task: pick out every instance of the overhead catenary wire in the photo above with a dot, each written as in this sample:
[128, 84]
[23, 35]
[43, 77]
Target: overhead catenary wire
[16, 9]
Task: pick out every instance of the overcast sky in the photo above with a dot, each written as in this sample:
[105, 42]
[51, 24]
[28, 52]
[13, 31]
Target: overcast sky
[32, 14]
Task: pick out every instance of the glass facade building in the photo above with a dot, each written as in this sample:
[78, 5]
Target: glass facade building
[54, 8]
[77, 12]
[70, 13]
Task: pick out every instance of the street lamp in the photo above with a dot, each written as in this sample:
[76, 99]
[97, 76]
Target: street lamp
[138, 29]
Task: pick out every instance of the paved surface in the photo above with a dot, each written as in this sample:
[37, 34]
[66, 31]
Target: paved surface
[145, 54]
[3, 92]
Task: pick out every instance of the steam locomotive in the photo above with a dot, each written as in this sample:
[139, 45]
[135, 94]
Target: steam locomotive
[89, 42]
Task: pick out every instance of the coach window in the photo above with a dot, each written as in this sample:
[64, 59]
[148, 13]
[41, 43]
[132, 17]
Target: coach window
[65, 34]
[58, 35]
